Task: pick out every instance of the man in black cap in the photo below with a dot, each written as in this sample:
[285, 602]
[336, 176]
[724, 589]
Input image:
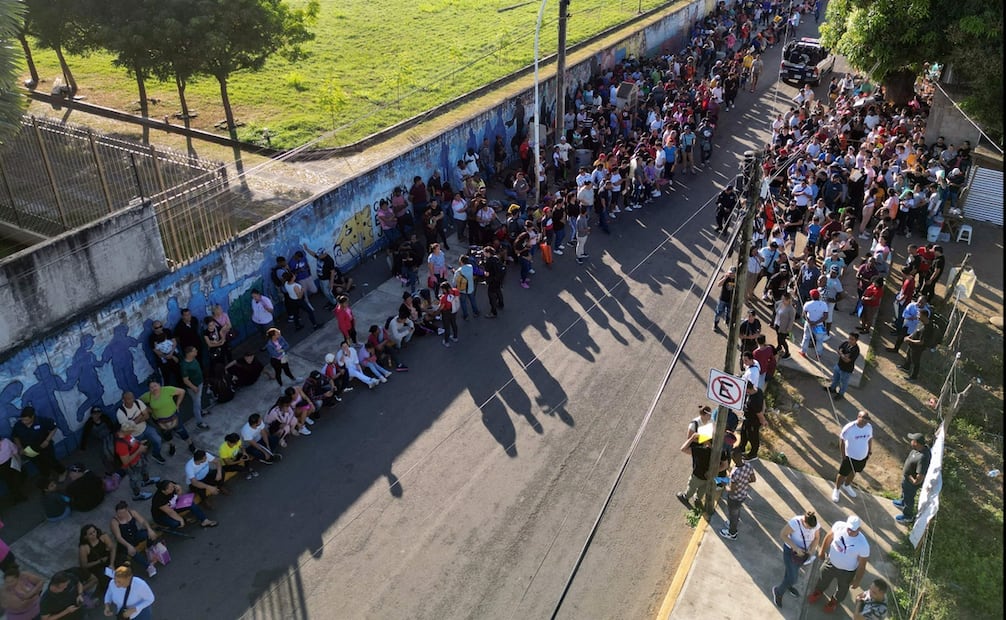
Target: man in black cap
[913, 473]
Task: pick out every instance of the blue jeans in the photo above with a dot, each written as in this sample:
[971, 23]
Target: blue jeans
[166, 521]
[466, 299]
[840, 379]
[908, 493]
[810, 339]
[150, 434]
[560, 236]
[792, 570]
[525, 269]
[326, 290]
[722, 312]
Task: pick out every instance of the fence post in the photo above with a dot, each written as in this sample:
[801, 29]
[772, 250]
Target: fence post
[101, 172]
[952, 286]
[49, 173]
[10, 195]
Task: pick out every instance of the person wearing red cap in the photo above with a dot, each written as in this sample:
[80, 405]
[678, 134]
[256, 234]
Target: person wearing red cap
[815, 315]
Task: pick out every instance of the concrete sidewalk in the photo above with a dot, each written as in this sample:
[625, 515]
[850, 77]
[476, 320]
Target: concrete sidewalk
[732, 579]
[51, 547]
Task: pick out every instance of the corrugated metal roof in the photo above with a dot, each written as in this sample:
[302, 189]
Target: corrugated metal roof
[984, 200]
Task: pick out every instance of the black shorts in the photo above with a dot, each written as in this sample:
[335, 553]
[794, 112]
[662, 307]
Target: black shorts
[851, 465]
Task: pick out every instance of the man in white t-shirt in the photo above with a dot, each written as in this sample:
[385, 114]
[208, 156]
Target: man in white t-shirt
[799, 546]
[258, 442]
[133, 414]
[856, 445]
[846, 552]
[815, 314]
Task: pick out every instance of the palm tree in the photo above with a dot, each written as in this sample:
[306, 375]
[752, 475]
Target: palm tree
[11, 100]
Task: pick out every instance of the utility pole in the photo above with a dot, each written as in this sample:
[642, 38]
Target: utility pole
[560, 73]
[751, 170]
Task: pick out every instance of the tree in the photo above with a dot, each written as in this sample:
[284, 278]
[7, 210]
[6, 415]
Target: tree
[62, 26]
[28, 58]
[128, 29]
[246, 33]
[893, 39]
[11, 101]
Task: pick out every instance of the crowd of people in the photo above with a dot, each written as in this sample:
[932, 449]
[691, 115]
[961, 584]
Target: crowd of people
[848, 172]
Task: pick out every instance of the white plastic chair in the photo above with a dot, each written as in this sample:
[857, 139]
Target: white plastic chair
[964, 233]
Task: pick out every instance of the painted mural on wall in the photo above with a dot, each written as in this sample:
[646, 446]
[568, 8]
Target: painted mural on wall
[93, 360]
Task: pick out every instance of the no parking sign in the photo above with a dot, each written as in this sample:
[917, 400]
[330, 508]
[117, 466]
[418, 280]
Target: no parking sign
[725, 389]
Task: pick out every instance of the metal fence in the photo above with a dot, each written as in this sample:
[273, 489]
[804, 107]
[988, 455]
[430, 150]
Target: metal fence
[56, 176]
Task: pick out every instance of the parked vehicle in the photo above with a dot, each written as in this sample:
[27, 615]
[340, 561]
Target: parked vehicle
[806, 61]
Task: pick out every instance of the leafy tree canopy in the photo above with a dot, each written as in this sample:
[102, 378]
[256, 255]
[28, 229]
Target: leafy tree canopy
[892, 39]
[11, 101]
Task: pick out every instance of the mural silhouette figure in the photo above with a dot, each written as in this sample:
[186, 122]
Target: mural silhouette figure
[8, 409]
[42, 396]
[119, 353]
[83, 373]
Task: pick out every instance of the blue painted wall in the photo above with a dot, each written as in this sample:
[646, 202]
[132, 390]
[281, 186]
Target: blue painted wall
[97, 356]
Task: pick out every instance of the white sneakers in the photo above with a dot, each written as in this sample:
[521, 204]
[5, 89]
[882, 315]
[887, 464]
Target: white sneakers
[849, 490]
[834, 496]
[309, 421]
[151, 570]
[305, 430]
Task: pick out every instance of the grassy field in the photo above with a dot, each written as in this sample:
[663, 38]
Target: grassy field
[372, 64]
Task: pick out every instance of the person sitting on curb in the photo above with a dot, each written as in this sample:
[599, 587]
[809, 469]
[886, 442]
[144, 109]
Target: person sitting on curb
[168, 512]
[128, 529]
[201, 481]
[348, 357]
[234, 457]
[132, 456]
[258, 442]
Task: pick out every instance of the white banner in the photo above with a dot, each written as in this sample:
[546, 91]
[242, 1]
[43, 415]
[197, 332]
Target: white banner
[929, 494]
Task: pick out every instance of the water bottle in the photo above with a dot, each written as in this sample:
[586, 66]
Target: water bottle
[993, 474]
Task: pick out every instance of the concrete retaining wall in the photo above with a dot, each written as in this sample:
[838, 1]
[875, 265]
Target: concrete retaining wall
[102, 351]
[78, 271]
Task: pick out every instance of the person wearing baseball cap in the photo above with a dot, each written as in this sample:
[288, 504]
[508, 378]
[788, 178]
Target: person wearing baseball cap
[815, 313]
[726, 283]
[845, 551]
[913, 473]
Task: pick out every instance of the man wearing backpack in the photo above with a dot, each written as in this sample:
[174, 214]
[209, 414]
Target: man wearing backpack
[464, 281]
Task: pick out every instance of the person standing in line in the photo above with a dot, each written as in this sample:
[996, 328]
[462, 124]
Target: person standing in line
[726, 284]
[799, 540]
[192, 379]
[449, 306]
[299, 302]
[846, 552]
[815, 313]
[919, 340]
[848, 351]
[277, 346]
[913, 473]
[738, 488]
[785, 316]
[936, 270]
[262, 310]
[582, 226]
[128, 596]
[754, 419]
[855, 443]
[494, 281]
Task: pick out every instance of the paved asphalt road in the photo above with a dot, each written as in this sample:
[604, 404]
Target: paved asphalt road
[503, 447]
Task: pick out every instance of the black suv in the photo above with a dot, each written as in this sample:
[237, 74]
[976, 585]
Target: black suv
[806, 60]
